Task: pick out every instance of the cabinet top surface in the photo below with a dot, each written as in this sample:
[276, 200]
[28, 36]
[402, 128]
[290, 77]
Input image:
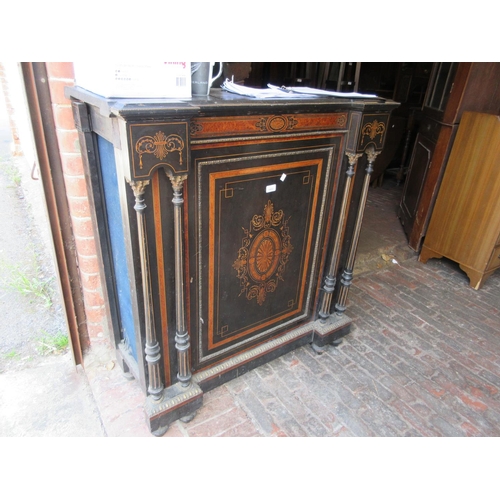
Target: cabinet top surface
[221, 102]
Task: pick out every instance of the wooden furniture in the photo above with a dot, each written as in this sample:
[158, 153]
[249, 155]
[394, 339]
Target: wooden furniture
[403, 82]
[227, 230]
[465, 223]
[453, 89]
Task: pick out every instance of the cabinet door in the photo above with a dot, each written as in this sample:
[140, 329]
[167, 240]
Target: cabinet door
[440, 88]
[257, 242]
[415, 180]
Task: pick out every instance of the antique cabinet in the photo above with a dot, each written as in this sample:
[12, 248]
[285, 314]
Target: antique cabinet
[453, 88]
[465, 223]
[227, 230]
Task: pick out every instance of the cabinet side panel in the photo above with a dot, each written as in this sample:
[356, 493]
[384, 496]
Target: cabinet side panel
[117, 238]
[482, 93]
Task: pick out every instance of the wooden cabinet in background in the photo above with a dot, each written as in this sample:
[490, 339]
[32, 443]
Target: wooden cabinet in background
[465, 224]
[453, 89]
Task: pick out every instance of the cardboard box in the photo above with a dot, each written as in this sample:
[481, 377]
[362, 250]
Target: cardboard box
[135, 80]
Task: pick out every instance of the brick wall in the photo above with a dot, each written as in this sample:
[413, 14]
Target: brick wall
[62, 75]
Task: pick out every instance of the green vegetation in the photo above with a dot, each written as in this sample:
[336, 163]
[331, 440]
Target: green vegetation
[11, 172]
[52, 344]
[28, 283]
[11, 355]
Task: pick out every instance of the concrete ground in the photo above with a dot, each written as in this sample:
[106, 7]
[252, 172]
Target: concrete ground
[423, 357]
[42, 393]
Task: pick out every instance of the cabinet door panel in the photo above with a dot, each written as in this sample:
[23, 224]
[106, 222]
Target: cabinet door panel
[419, 166]
[258, 244]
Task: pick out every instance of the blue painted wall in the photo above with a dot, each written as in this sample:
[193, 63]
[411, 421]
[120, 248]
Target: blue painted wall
[111, 195]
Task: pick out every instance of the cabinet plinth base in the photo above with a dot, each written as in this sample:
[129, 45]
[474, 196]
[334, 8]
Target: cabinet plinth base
[332, 330]
[177, 403]
[234, 367]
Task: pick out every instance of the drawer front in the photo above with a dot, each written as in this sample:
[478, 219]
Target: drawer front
[495, 259]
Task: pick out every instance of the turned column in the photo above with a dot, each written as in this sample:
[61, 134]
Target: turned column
[181, 334]
[346, 279]
[152, 349]
[330, 279]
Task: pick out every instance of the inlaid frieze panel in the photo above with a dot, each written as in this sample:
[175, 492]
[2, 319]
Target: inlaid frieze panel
[211, 127]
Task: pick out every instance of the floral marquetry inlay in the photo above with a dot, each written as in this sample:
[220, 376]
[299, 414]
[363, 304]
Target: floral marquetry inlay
[372, 130]
[264, 254]
[159, 145]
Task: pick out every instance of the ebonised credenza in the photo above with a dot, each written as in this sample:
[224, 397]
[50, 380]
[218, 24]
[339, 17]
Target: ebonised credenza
[226, 229]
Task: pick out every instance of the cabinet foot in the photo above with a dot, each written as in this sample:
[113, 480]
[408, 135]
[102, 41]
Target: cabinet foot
[427, 253]
[160, 431]
[188, 418]
[317, 349]
[476, 278]
[320, 349]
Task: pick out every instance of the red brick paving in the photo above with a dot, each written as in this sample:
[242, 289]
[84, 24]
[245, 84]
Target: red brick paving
[422, 359]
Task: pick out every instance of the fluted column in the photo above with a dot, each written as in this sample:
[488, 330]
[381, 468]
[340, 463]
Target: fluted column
[346, 279]
[152, 349]
[181, 334]
[330, 279]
